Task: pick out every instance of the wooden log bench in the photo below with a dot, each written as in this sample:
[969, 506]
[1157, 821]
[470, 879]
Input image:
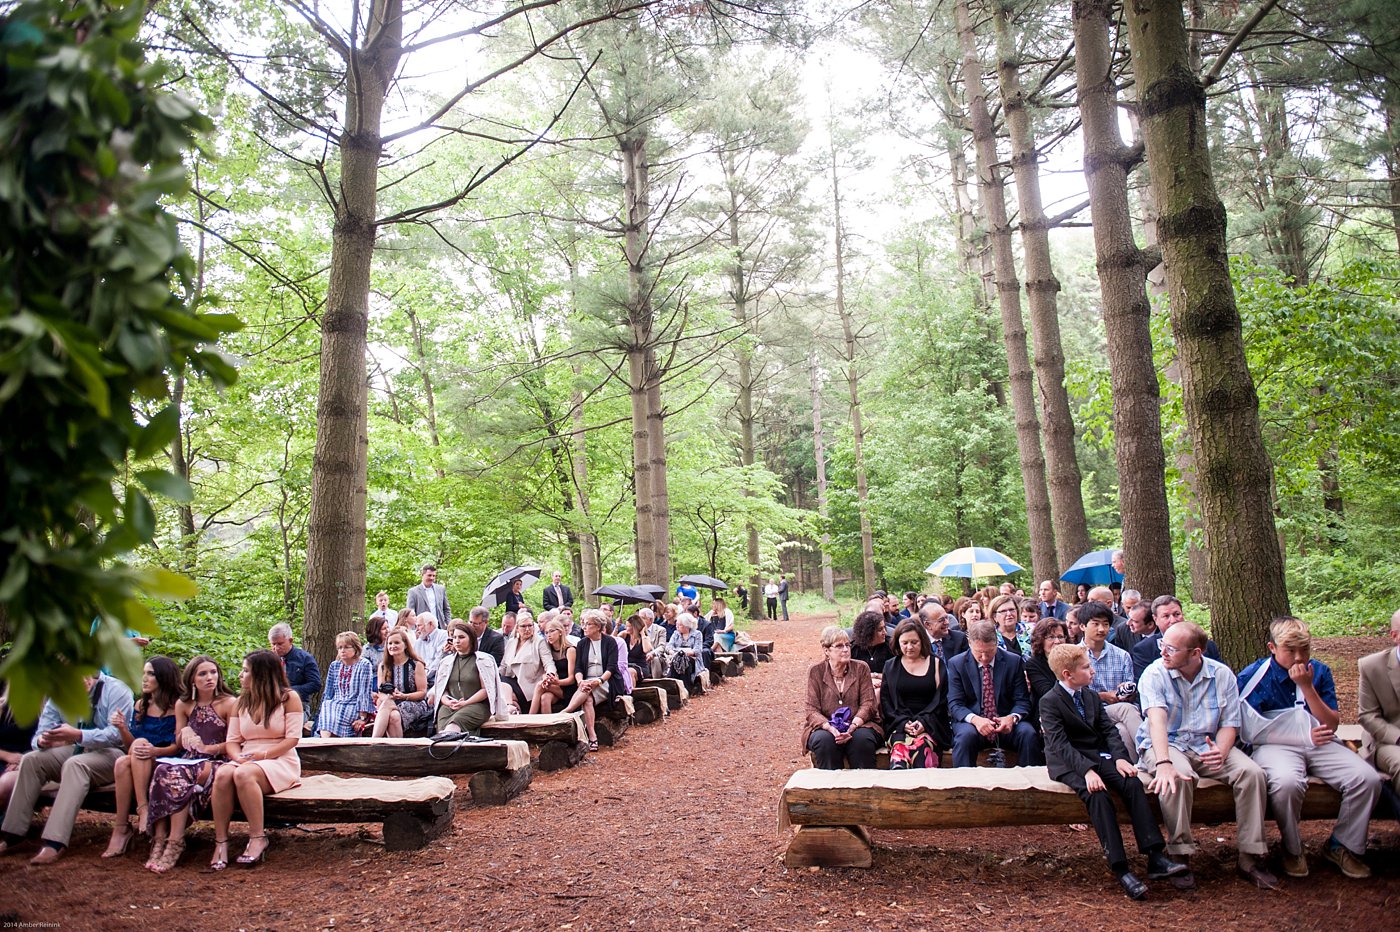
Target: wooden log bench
[500, 769]
[765, 650]
[412, 812]
[835, 809]
[649, 704]
[676, 693]
[728, 664]
[614, 716]
[558, 739]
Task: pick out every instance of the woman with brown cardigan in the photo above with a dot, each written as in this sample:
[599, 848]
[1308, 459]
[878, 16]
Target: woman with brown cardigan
[834, 683]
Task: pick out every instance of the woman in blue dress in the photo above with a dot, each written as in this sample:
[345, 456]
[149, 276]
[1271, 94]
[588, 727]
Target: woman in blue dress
[348, 690]
[148, 735]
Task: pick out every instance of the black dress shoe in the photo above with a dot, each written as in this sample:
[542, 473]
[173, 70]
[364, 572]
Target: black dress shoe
[1135, 888]
[1183, 881]
[1160, 867]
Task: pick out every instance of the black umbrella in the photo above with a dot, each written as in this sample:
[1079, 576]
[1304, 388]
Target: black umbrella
[657, 592]
[626, 594]
[704, 582]
[497, 588]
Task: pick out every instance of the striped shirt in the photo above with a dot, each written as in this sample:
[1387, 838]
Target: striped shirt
[1195, 710]
[1111, 667]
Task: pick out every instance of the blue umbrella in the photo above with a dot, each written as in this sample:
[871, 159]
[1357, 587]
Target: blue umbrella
[973, 562]
[1093, 569]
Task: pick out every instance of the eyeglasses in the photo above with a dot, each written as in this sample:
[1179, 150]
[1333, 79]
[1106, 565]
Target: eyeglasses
[841, 645]
[1171, 650]
[1006, 611]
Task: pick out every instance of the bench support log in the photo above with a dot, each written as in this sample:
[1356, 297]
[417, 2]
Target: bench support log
[829, 846]
[556, 755]
[676, 693]
[498, 787]
[610, 730]
[404, 831]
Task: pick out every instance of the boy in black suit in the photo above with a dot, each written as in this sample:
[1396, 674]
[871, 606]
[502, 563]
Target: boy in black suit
[1083, 751]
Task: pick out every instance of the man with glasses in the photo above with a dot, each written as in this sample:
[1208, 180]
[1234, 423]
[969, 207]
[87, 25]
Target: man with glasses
[943, 641]
[1191, 709]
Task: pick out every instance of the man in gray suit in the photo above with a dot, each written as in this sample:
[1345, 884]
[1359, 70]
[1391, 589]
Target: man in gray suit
[431, 596]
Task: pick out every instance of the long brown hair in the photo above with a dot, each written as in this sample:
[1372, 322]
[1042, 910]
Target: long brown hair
[386, 666]
[167, 676]
[267, 686]
[190, 693]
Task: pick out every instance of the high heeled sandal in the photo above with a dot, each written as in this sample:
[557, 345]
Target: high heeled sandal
[170, 856]
[220, 860]
[157, 849]
[113, 849]
[247, 860]
[142, 824]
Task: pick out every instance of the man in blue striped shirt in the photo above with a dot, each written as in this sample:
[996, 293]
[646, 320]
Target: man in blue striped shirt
[1191, 706]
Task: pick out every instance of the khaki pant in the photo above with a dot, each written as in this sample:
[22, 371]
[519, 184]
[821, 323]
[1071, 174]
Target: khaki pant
[1126, 718]
[1287, 769]
[76, 774]
[1246, 779]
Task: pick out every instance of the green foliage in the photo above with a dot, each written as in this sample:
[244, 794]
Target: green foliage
[93, 293]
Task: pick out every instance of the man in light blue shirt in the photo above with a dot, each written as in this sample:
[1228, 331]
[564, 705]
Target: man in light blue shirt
[1191, 709]
[79, 755]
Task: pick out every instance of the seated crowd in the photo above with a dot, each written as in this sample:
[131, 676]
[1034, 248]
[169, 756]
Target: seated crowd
[1101, 692]
[189, 747]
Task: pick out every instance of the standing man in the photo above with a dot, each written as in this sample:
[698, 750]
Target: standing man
[303, 674]
[1050, 605]
[783, 593]
[989, 701]
[488, 639]
[430, 596]
[742, 591]
[688, 592]
[558, 595]
[1119, 565]
[1379, 704]
[1277, 683]
[78, 755]
[1191, 707]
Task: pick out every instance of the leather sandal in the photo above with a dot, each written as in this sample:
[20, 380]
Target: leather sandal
[170, 856]
[249, 860]
[125, 834]
[220, 860]
[157, 849]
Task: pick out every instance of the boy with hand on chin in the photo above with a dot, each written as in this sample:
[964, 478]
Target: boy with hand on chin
[1084, 751]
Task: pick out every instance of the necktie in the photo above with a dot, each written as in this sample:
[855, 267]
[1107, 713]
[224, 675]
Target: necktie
[937, 649]
[989, 701]
[1079, 706]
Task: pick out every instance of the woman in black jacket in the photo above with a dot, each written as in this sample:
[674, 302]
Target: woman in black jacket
[1044, 636]
[868, 644]
[914, 701]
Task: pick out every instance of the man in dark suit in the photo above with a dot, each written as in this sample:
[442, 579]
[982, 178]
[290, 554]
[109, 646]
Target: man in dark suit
[488, 639]
[1166, 611]
[557, 595]
[1050, 605]
[1084, 752]
[980, 719]
[430, 596]
[943, 641]
[783, 594]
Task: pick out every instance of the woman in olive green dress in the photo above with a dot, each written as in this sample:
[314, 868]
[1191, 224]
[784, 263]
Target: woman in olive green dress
[466, 685]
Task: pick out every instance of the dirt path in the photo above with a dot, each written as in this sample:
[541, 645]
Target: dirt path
[676, 828]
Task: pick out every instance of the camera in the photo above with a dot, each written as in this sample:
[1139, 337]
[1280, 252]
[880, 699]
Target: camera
[1126, 690]
[386, 687]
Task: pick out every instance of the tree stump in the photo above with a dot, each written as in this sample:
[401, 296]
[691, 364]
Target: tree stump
[829, 846]
[650, 704]
[498, 787]
[750, 657]
[556, 755]
[728, 664]
[610, 730]
[405, 831]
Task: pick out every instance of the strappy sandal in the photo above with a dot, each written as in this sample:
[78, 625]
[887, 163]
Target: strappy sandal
[250, 860]
[142, 825]
[220, 855]
[115, 850]
[157, 850]
[170, 856]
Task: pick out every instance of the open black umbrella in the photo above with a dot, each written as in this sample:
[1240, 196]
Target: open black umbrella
[497, 588]
[625, 594]
[704, 582]
[657, 592]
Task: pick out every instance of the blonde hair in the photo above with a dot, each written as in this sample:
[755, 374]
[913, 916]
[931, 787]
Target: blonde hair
[350, 639]
[833, 633]
[1065, 657]
[1290, 633]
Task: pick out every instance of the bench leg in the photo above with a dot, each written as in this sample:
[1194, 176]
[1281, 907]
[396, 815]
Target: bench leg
[406, 832]
[644, 712]
[610, 730]
[498, 787]
[829, 846]
[556, 755]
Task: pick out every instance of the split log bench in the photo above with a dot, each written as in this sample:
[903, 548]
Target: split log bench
[612, 720]
[835, 809]
[558, 739]
[765, 650]
[500, 769]
[728, 664]
[676, 693]
[649, 704]
[412, 811]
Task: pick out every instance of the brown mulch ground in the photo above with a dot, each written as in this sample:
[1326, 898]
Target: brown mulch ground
[676, 828]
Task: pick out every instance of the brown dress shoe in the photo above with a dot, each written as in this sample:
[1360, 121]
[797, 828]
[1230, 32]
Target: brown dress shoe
[46, 855]
[1258, 876]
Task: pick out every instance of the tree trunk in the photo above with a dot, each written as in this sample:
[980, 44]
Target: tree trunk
[1127, 313]
[420, 360]
[660, 496]
[1071, 527]
[636, 193]
[819, 453]
[867, 538]
[1044, 561]
[1392, 162]
[1283, 202]
[1222, 408]
[335, 545]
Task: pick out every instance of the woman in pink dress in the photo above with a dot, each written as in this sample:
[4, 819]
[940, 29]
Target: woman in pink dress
[262, 752]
